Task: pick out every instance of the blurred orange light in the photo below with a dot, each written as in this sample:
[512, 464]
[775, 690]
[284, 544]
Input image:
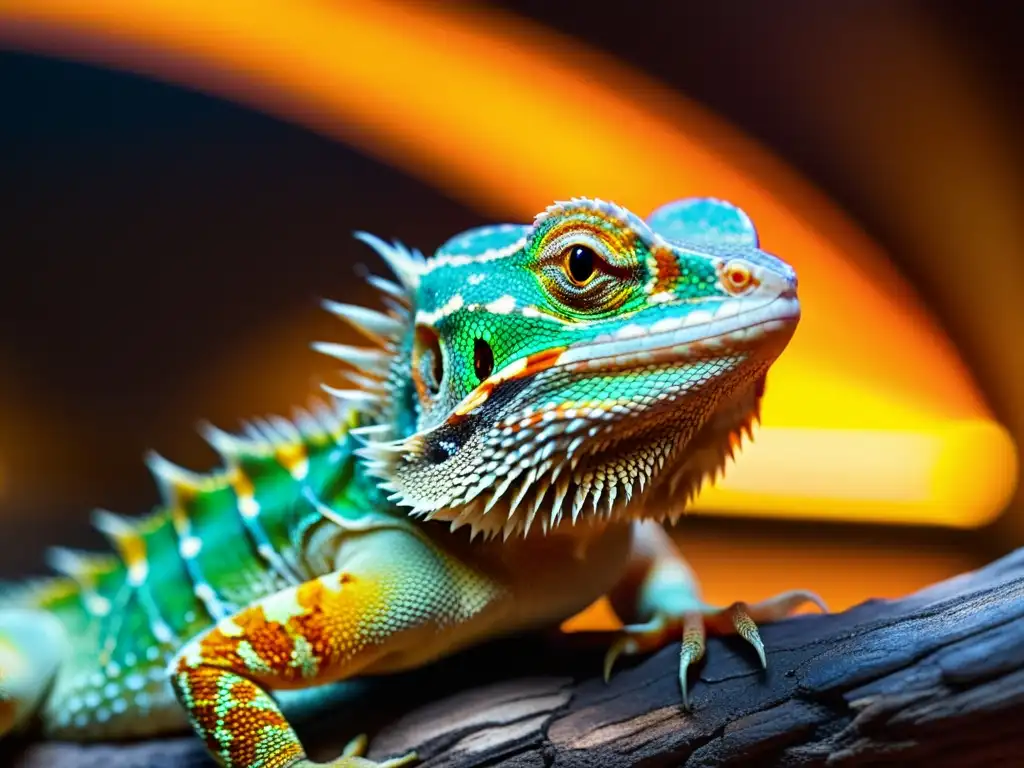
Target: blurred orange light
[871, 414]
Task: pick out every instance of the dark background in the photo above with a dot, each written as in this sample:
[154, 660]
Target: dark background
[148, 234]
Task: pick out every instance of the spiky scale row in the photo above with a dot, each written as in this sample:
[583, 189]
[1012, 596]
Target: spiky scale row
[216, 541]
[195, 559]
[274, 439]
[373, 361]
[84, 568]
[377, 326]
[603, 208]
[525, 454]
[406, 265]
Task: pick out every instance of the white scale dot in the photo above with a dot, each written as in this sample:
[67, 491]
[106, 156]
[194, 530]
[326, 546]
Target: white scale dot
[162, 633]
[204, 592]
[190, 547]
[134, 682]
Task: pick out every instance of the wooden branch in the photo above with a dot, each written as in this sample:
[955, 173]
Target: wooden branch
[933, 679]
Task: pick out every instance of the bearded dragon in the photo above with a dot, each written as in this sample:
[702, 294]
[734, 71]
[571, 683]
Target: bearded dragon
[535, 402]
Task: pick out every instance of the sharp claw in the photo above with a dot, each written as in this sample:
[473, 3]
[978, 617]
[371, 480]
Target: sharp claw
[397, 762]
[610, 657]
[816, 601]
[633, 639]
[754, 638]
[356, 747]
[699, 619]
[690, 651]
[747, 629]
[788, 602]
[353, 757]
[785, 604]
[624, 644]
[684, 666]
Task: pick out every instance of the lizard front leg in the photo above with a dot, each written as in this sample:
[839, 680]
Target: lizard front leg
[394, 601]
[658, 600]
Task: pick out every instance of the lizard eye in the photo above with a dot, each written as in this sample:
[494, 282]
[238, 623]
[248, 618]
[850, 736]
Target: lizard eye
[427, 361]
[736, 277]
[585, 275]
[580, 264]
[483, 359]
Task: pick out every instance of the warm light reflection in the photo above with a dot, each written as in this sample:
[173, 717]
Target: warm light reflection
[871, 475]
[870, 415]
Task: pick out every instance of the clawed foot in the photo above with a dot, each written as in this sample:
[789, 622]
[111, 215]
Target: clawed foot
[692, 626]
[352, 757]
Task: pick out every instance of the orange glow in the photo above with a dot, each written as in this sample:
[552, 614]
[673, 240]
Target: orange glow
[914, 475]
[844, 573]
[508, 116]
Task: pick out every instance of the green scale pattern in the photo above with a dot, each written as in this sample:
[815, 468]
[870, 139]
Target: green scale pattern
[223, 562]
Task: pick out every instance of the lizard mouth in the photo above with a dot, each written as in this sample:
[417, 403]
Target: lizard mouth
[695, 335]
[734, 326]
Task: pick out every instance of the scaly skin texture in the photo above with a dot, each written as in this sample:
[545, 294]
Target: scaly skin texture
[537, 400]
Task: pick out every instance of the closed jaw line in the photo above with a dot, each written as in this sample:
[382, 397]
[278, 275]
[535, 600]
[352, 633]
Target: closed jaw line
[673, 337]
[669, 340]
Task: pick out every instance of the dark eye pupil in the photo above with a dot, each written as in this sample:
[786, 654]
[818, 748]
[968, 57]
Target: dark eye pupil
[581, 263]
[483, 359]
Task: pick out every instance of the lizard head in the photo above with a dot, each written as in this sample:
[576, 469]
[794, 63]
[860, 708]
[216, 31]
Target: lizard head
[589, 367]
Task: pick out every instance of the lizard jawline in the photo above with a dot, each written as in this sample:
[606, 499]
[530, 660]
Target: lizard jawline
[572, 484]
[738, 329]
[643, 475]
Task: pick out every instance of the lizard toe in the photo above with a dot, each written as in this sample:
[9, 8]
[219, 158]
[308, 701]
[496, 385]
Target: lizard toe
[692, 626]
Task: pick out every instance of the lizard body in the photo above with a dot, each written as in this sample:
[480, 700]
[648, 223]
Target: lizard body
[537, 399]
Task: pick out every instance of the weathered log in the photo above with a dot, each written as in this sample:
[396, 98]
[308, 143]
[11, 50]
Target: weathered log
[934, 679]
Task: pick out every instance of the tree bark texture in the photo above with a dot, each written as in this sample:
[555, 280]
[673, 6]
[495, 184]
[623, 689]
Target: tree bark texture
[936, 678]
